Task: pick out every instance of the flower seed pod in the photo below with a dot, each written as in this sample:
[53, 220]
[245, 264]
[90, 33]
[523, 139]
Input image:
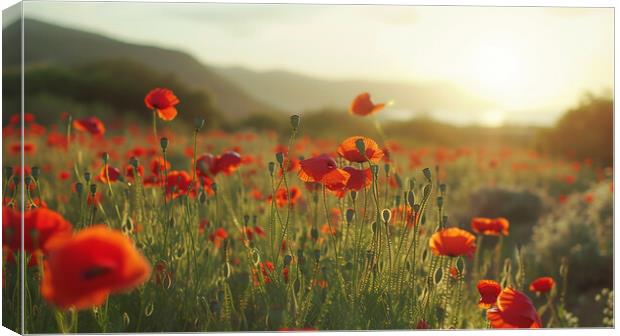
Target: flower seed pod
[386, 214]
[280, 158]
[36, 171]
[314, 233]
[427, 174]
[411, 198]
[442, 189]
[361, 147]
[8, 171]
[246, 219]
[416, 207]
[199, 123]
[203, 197]
[349, 215]
[353, 195]
[106, 157]
[287, 260]
[79, 187]
[133, 161]
[87, 177]
[93, 188]
[412, 183]
[386, 167]
[440, 201]
[163, 142]
[272, 167]
[374, 169]
[295, 121]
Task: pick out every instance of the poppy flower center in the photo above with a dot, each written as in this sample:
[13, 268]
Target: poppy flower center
[96, 271]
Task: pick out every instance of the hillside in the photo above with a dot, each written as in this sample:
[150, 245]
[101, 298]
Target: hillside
[54, 45]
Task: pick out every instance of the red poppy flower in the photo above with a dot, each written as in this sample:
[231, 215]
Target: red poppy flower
[514, 310]
[130, 171]
[81, 271]
[157, 166]
[359, 178]
[40, 225]
[453, 242]
[91, 125]
[226, 163]
[336, 180]
[313, 169]
[348, 150]
[112, 175]
[363, 106]
[162, 101]
[282, 199]
[490, 227]
[218, 236]
[542, 285]
[489, 290]
[178, 183]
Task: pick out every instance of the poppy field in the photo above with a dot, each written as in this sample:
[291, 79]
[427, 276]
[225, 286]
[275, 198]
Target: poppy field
[149, 227]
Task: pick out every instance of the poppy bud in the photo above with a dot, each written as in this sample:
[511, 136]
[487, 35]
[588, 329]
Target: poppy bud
[106, 157]
[27, 180]
[272, 167]
[203, 197]
[79, 187]
[16, 180]
[353, 195]
[8, 171]
[427, 173]
[386, 214]
[416, 207]
[133, 161]
[300, 257]
[442, 188]
[296, 286]
[35, 172]
[163, 142]
[314, 233]
[280, 157]
[199, 123]
[427, 190]
[374, 169]
[440, 201]
[295, 121]
[386, 167]
[254, 218]
[361, 147]
[93, 188]
[287, 260]
[317, 255]
[412, 183]
[349, 215]
[411, 198]
[246, 219]
[87, 176]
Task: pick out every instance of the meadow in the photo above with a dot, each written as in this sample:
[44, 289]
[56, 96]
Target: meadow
[149, 227]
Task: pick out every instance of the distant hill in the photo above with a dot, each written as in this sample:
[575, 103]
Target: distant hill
[296, 93]
[236, 92]
[48, 44]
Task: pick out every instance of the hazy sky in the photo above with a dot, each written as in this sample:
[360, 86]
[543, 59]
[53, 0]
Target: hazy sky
[524, 59]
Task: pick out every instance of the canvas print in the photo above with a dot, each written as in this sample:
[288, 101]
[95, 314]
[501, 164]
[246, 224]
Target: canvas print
[203, 167]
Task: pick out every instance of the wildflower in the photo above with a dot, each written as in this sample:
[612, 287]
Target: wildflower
[542, 285]
[348, 149]
[218, 236]
[282, 199]
[112, 175]
[314, 169]
[453, 242]
[336, 179]
[91, 125]
[514, 310]
[81, 271]
[226, 163]
[489, 290]
[178, 183]
[163, 101]
[64, 175]
[363, 106]
[490, 227]
[40, 225]
[359, 178]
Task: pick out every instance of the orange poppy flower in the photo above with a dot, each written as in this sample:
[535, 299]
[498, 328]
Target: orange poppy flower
[336, 180]
[490, 227]
[360, 178]
[83, 270]
[453, 242]
[157, 166]
[40, 225]
[91, 125]
[226, 163]
[348, 150]
[178, 183]
[542, 285]
[514, 310]
[489, 290]
[363, 106]
[313, 169]
[218, 236]
[162, 101]
[282, 199]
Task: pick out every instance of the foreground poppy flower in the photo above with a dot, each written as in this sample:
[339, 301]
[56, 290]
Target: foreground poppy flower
[111, 175]
[348, 150]
[489, 290]
[282, 199]
[363, 106]
[514, 310]
[313, 169]
[226, 163]
[163, 102]
[359, 178]
[453, 242]
[91, 125]
[40, 225]
[490, 227]
[336, 180]
[80, 272]
[178, 183]
[542, 285]
[218, 236]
